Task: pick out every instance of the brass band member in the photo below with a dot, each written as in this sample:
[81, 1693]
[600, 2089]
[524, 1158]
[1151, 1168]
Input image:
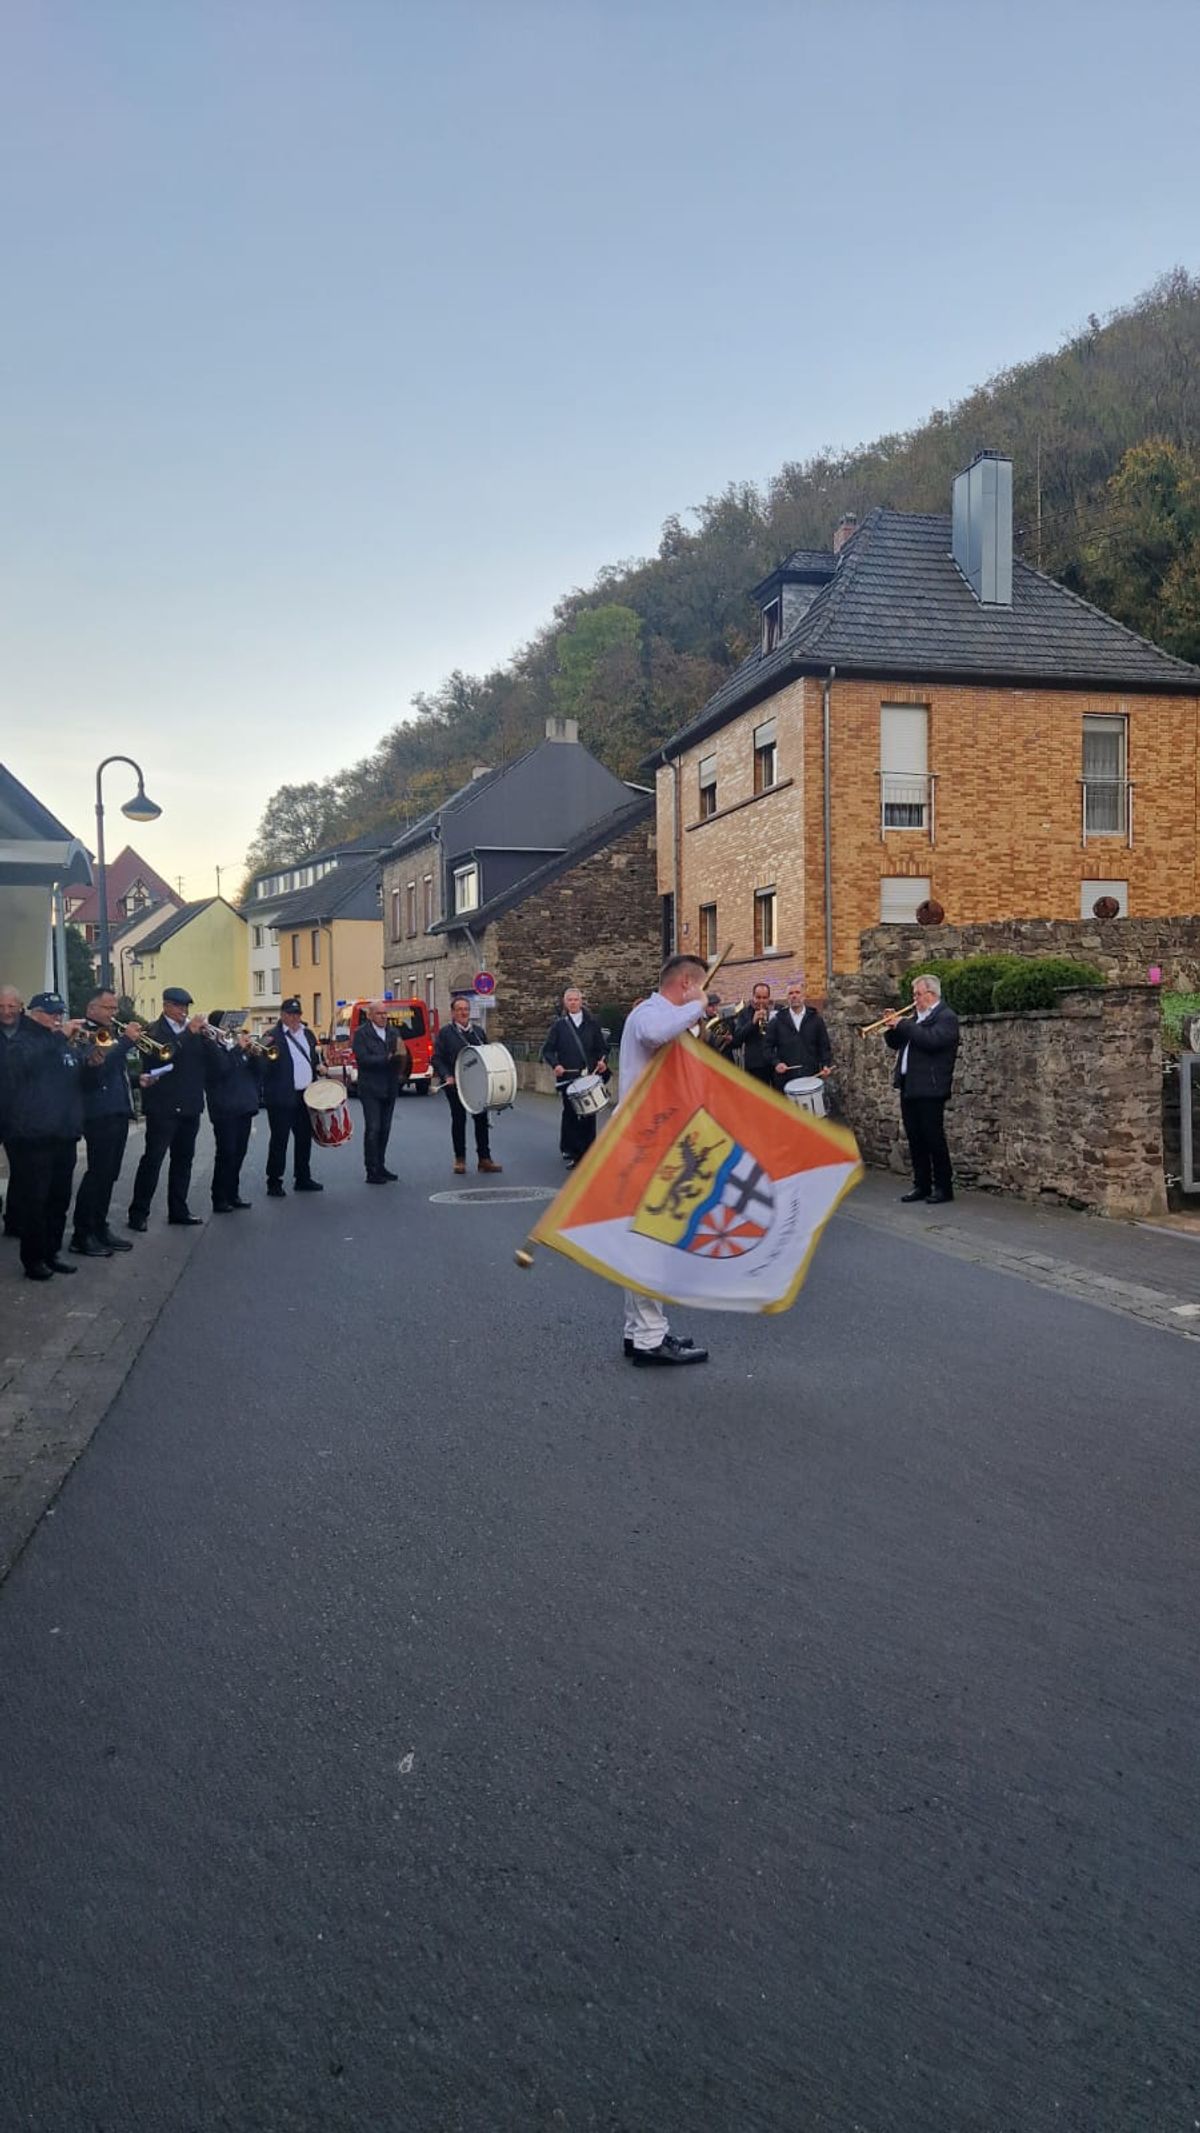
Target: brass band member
[797, 1039]
[294, 1068]
[12, 1015]
[234, 1096]
[384, 1064]
[927, 1048]
[451, 1039]
[43, 1120]
[574, 1046]
[107, 1111]
[172, 1104]
[750, 1035]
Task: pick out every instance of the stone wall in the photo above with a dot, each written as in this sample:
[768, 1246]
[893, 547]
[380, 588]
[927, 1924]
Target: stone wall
[1124, 948]
[598, 925]
[1063, 1105]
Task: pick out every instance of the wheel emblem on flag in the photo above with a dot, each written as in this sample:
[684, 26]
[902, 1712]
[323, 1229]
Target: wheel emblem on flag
[709, 1195]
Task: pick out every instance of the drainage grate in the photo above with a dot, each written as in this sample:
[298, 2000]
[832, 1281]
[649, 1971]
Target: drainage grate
[475, 1195]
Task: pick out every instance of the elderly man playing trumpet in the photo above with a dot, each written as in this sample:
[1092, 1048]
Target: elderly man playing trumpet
[927, 1044]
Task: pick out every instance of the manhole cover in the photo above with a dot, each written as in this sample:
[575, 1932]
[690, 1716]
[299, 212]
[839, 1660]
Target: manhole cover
[474, 1195]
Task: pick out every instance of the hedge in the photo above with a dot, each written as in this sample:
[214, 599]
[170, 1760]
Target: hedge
[1038, 981]
[1001, 984]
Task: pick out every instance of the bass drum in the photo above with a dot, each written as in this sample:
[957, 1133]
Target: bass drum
[485, 1076]
[328, 1113]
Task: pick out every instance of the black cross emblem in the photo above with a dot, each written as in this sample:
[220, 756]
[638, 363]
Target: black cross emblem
[749, 1191]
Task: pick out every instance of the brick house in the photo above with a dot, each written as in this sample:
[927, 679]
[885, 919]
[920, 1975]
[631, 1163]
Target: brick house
[133, 888]
[540, 872]
[926, 718]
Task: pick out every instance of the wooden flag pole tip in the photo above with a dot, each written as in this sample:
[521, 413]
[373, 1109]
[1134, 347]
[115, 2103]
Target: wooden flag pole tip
[523, 1256]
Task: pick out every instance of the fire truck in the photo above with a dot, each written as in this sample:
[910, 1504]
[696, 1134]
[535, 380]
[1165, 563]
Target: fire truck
[417, 1025]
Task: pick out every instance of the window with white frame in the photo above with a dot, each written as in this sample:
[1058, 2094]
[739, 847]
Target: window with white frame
[708, 931]
[1090, 893]
[295, 951]
[765, 936]
[904, 766]
[899, 896]
[427, 899]
[766, 771]
[256, 933]
[466, 888]
[276, 976]
[772, 624]
[708, 786]
[314, 945]
[413, 994]
[1105, 775]
[429, 991]
[410, 908]
[260, 983]
[395, 914]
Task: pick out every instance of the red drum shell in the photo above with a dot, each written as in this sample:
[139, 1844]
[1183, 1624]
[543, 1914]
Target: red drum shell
[328, 1114]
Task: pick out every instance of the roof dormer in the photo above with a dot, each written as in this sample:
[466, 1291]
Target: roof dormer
[789, 592]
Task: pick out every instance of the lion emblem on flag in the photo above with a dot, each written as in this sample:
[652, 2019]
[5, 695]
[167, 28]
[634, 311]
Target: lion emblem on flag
[709, 1195]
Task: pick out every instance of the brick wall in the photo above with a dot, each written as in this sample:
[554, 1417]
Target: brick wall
[597, 925]
[1062, 1105]
[1007, 817]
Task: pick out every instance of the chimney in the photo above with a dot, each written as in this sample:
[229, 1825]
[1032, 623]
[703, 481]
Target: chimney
[562, 729]
[846, 527]
[981, 527]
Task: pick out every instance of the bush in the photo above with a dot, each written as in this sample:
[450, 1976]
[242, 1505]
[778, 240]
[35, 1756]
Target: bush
[1037, 982]
[1177, 1008]
[967, 981]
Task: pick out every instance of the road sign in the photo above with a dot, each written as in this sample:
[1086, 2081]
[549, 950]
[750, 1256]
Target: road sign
[485, 983]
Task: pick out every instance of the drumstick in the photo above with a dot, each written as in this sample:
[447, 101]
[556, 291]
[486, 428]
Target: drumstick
[713, 968]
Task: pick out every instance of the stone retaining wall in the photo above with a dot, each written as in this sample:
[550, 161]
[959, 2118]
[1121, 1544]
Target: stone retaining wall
[1062, 1104]
[1124, 948]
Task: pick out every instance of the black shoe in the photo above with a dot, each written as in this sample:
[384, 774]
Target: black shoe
[137, 1222]
[186, 1221]
[568, 1162]
[89, 1248]
[389, 1177]
[274, 1191]
[222, 1207]
[58, 1265]
[115, 1244]
[906, 1198]
[40, 1272]
[669, 1351]
[685, 1341]
[307, 1185]
[940, 1199]
[238, 1205]
[377, 1177]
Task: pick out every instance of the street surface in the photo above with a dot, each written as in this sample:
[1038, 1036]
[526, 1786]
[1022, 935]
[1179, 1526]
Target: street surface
[415, 1718]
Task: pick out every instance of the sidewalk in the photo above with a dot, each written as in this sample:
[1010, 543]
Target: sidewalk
[67, 1346]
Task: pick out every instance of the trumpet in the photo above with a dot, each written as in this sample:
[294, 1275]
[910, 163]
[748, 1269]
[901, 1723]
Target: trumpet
[872, 1029]
[149, 1047]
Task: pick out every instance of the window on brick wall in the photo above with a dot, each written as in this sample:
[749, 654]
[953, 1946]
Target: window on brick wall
[708, 786]
[429, 991]
[1105, 776]
[765, 933]
[899, 895]
[766, 765]
[427, 900]
[904, 766]
[395, 914]
[708, 931]
[1090, 893]
[410, 909]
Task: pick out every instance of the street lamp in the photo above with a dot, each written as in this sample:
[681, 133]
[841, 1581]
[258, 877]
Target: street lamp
[139, 809]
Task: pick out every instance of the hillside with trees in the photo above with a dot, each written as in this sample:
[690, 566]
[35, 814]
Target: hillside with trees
[1106, 467]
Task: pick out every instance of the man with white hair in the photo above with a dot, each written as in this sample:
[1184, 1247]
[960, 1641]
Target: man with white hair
[927, 1047]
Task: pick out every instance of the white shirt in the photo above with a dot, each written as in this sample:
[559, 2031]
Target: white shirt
[177, 1028]
[380, 1033]
[651, 1025]
[577, 1019]
[302, 1072]
[922, 1017]
[797, 1019]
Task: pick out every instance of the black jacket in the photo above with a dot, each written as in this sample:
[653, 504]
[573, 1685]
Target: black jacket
[932, 1051]
[106, 1086]
[578, 1050]
[43, 1086]
[752, 1043]
[180, 1094]
[806, 1050]
[383, 1067]
[234, 1083]
[279, 1082]
[449, 1042]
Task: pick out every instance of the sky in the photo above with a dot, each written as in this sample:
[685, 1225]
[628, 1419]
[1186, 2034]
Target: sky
[340, 340]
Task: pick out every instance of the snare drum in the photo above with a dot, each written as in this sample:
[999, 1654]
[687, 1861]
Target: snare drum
[587, 1096]
[328, 1113]
[485, 1076]
[807, 1090]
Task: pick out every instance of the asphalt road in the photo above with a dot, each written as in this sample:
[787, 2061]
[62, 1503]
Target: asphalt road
[415, 1718]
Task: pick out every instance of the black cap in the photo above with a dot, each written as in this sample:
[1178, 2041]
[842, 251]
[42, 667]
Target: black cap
[47, 1003]
[292, 1006]
[177, 996]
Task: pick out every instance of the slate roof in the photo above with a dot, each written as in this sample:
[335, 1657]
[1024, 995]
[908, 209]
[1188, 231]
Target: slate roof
[420, 831]
[163, 907]
[349, 891]
[175, 922]
[898, 606]
[640, 808]
[342, 848]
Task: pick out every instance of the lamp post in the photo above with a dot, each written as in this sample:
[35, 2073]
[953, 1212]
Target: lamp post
[139, 809]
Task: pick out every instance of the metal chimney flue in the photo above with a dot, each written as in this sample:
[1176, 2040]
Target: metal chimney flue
[981, 538]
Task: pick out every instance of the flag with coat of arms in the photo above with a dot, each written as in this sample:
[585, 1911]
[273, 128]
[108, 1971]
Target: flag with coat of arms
[707, 1188]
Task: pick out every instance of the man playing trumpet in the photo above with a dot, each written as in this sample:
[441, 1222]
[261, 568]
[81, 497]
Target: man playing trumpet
[927, 1045]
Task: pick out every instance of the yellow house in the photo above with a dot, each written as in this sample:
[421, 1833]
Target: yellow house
[330, 942]
[203, 948]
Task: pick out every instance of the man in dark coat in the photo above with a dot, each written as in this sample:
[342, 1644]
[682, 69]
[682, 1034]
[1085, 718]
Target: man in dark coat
[384, 1064]
[928, 1047]
[172, 1105]
[750, 1035]
[12, 1016]
[234, 1095]
[797, 1041]
[107, 1111]
[43, 1120]
[574, 1046]
[296, 1065]
[452, 1038]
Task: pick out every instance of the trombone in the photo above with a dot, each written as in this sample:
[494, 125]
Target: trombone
[894, 1014]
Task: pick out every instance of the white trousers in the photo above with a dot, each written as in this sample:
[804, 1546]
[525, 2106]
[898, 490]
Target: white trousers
[645, 1320]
